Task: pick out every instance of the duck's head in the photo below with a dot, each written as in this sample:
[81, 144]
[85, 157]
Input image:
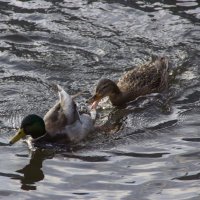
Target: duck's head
[32, 125]
[105, 87]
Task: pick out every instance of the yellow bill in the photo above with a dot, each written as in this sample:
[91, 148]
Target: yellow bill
[20, 134]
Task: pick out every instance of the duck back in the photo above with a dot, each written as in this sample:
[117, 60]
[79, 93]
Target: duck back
[148, 78]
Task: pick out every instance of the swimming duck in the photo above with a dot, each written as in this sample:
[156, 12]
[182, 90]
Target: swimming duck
[152, 77]
[61, 124]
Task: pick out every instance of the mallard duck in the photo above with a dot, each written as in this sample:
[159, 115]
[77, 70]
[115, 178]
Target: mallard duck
[61, 124]
[151, 77]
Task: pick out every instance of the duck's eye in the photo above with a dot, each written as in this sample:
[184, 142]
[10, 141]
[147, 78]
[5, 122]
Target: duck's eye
[75, 106]
[103, 88]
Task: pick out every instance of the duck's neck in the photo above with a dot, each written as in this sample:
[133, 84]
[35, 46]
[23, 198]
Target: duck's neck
[41, 138]
[119, 98]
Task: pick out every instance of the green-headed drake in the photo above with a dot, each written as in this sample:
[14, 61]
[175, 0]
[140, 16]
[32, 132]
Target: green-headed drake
[61, 124]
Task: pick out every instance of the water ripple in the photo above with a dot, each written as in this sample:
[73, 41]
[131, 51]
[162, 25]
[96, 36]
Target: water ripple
[150, 150]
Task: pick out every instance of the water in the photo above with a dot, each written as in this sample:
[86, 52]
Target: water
[153, 150]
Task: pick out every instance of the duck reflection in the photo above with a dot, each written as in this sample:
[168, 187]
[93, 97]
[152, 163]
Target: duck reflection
[32, 172]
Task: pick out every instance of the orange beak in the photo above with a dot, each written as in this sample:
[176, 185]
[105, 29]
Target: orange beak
[94, 100]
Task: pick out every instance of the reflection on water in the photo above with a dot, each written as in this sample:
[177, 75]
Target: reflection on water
[146, 150]
[32, 172]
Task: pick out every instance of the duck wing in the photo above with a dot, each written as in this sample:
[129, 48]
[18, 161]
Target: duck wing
[67, 106]
[63, 113]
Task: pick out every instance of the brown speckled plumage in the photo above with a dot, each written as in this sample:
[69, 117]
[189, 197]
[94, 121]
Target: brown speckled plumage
[148, 78]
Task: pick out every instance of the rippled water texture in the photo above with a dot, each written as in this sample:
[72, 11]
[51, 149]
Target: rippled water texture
[153, 150]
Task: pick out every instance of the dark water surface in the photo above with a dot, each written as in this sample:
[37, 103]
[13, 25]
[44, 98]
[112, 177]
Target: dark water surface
[153, 151]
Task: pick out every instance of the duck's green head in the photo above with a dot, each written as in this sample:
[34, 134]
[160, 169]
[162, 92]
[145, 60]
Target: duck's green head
[31, 125]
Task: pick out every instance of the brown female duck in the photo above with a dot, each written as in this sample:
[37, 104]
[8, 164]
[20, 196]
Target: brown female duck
[151, 77]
